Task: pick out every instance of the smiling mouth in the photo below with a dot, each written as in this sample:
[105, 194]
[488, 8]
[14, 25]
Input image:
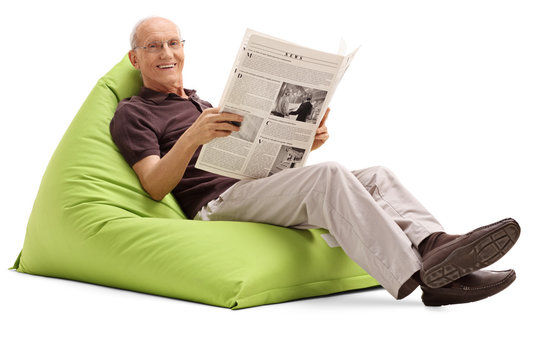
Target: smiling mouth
[167, 66]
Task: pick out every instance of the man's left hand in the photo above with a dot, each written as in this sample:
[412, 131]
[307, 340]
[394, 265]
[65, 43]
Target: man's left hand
[322, 133]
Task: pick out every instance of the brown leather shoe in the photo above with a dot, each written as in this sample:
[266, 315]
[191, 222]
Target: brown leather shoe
[473, 287]
[468, 253]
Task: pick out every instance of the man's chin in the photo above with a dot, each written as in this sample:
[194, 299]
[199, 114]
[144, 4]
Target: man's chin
[165, 84]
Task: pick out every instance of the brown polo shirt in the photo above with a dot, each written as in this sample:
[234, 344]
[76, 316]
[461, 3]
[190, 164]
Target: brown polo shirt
[150, 124]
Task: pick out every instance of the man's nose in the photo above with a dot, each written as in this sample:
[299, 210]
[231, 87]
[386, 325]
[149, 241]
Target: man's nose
[166, 51]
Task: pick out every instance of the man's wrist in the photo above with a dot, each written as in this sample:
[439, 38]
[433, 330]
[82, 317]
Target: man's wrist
[188, 142]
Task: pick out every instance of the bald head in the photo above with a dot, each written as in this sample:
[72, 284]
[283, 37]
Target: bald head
[149, 24]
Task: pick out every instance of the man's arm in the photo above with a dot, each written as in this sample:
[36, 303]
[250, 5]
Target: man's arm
[159, 176]
[297, 111]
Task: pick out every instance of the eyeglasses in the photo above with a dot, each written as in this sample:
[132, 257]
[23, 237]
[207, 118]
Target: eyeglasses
[157, 46]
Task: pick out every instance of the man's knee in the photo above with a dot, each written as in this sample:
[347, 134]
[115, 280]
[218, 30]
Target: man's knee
[379, 174]
[374, 175]
[331, 167]
[383, 171]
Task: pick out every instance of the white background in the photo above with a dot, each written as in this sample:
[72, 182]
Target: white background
[445, 93]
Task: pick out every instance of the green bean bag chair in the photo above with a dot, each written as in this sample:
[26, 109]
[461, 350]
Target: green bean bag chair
[92, 222]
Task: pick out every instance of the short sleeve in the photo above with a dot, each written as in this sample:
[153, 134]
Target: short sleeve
[133, 134]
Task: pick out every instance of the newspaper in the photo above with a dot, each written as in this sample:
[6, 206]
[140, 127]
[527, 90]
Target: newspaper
[282, 90]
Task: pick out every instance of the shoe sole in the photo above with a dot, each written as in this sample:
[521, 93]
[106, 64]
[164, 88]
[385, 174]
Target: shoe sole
[477, 255]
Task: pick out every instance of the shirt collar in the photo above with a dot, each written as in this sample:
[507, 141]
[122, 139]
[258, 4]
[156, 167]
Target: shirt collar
[158, 97]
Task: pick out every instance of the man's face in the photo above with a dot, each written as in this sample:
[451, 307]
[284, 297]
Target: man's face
[161, 70]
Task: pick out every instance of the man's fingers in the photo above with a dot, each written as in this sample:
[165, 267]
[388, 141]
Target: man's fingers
[224, 126]
[224, 117]
[210, 111]
[222, 133]
[321, 130]
[230, 117]
[325, 117]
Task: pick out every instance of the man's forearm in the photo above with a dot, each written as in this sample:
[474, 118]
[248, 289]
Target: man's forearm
[159, 176]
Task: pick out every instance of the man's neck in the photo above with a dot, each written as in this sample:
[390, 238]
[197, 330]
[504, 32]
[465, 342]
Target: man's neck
[178, 90]
[181, 93]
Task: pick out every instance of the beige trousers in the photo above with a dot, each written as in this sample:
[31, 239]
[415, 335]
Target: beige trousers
[374, 219]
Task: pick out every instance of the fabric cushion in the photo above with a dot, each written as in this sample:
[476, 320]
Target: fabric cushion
[92, 222]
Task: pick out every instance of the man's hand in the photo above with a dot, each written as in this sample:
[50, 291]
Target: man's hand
[210, 125]
[322, 133]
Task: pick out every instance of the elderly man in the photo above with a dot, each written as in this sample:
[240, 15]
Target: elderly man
[376, 221]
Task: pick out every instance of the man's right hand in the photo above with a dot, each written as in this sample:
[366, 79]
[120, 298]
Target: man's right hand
[212, 124]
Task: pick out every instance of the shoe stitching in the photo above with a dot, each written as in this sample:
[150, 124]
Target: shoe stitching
[469, 288]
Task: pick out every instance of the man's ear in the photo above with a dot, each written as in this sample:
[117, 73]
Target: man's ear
[133, 59]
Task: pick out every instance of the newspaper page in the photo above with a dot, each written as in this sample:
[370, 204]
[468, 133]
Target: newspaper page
[282, 90]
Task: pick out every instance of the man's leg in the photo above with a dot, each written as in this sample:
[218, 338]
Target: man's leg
[407, 212]
[329, 196]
